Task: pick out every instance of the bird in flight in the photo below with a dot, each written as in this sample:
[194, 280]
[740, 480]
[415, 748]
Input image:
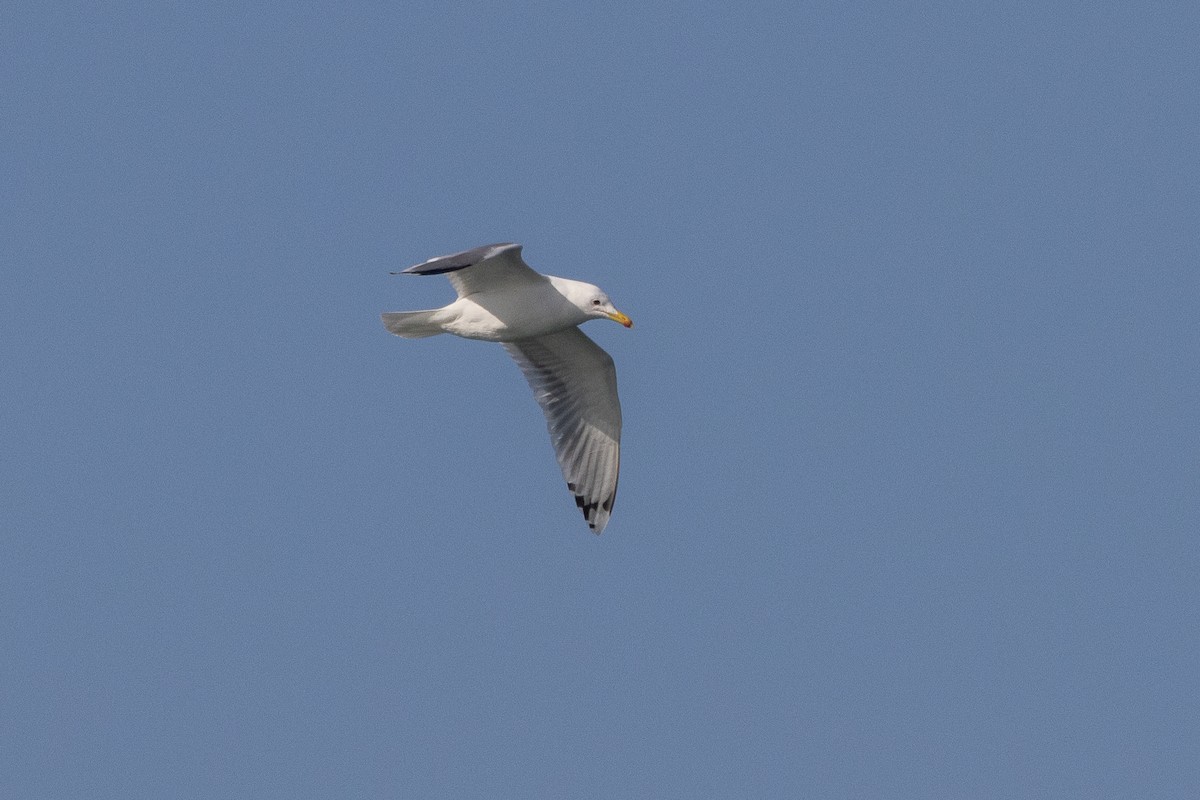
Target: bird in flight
[537, 317]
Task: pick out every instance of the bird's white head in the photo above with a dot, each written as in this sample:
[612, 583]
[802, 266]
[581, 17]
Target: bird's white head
[591, 300]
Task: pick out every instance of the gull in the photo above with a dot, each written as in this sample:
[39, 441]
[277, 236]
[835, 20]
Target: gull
[537, 317]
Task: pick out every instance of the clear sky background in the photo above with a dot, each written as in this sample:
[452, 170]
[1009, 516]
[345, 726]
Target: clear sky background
[911, 464]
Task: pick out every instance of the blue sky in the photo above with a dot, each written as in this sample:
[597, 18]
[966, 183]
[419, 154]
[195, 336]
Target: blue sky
[910, 480]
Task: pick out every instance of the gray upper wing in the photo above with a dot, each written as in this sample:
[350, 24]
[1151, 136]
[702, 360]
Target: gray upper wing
[485, 268]
[575, 383]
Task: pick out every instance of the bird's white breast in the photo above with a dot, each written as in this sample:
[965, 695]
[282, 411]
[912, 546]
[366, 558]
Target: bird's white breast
[504, 316]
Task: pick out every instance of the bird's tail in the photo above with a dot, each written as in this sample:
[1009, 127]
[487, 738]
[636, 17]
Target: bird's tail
[412, 324]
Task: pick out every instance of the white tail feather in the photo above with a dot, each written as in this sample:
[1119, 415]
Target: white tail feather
[412, 324]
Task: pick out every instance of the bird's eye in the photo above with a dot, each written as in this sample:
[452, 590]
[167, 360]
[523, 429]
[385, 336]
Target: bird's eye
[595, 302]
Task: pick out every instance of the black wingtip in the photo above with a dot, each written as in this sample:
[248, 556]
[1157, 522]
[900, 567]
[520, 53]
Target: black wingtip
[457, 261]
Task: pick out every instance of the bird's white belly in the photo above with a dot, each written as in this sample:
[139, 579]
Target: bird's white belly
[503, 319]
